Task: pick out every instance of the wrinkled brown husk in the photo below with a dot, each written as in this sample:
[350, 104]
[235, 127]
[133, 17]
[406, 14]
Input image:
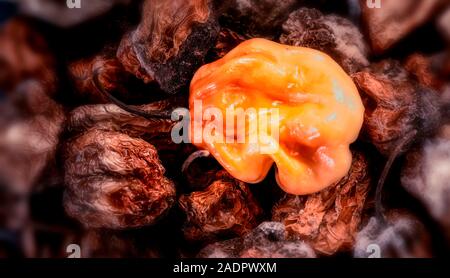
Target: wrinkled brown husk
[328, 220]
[170, 43]
[396, 106]
[225, 208]
[332, 34]
[268, 240]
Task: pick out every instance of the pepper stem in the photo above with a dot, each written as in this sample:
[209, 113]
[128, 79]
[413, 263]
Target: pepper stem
[379, 209]
[193, 156]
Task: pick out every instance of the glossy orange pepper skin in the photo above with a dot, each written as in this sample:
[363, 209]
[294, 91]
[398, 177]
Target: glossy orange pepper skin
[321, 113]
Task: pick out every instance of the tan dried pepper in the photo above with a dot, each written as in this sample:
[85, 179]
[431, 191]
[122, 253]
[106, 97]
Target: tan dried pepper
[397, 107]
[156, 131]
[328, 220]
[115, 181]
[399, 113]
[256, 18]
[225, 208]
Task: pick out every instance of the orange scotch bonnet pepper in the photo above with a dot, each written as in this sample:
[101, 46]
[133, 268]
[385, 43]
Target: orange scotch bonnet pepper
[320, 113]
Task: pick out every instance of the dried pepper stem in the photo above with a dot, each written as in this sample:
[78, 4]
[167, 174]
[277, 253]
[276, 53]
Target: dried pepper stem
[379, 209]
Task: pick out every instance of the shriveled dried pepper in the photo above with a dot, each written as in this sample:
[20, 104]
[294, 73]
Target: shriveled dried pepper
[320, 113]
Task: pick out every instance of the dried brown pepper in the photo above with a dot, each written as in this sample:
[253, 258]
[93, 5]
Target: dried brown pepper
[328, 220]
[170, 43]
[399, 112]
[155, 130]
[396, 106]
[332, 34]
[226, 208]
[226, 41]
[256, 18]
[115, 181]
[268, 240]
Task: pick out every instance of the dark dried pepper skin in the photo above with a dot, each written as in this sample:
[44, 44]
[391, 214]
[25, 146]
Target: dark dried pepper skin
[170, 43]
[226, 41]
[127, 56]
[115, 181]
[268, 240]
[396, 105]
[256, 18]
[225, 208]
[328, 220]
[334, 35]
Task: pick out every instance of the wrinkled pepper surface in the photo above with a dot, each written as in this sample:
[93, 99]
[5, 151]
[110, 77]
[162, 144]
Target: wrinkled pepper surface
[320, 113]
